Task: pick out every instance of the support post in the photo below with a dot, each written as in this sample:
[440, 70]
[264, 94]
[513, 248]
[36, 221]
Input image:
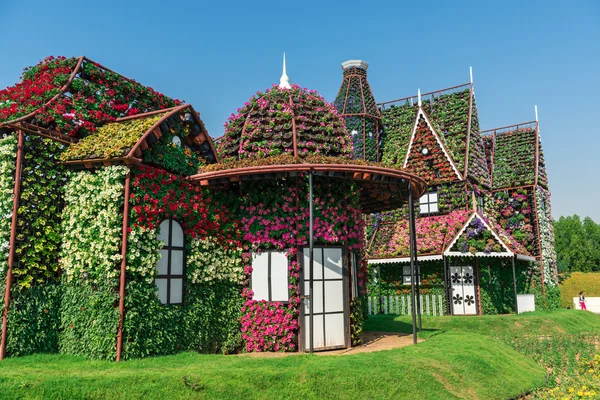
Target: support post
[311, 259]
[379, 284]
[13, 237]
[123, 267]
[446, 288]
[411, 223]
[515, 284]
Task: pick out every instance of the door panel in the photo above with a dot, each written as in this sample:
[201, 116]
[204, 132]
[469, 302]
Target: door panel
[330, 303]
[463, 294]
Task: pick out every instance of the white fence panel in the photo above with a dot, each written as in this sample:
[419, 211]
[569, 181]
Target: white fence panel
[431, 304]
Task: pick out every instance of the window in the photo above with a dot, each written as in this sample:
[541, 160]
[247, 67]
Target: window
[406, 275]
[176, 141]
[428, 203]
[171, 265]
[270, 276]
[354, 260]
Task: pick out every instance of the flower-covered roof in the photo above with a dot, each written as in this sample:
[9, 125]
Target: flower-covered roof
[292, 121]
[453, 114]
[72, 97]
[515, 157]
[131, 139]
[434, 234]
[481, 237]
[461, 232]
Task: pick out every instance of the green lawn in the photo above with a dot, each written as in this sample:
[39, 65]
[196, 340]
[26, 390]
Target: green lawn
[535, 323]
[449, 365]
[459, 359]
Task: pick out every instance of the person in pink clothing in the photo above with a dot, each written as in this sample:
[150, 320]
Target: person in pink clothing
[582, 301]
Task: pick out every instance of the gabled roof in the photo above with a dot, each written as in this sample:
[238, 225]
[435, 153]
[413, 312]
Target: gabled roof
[437, 154]
[448, 235]
[453, 114]
[123, 141]
[434, 233]
[478, 238]
[514, 156]
[68, 98]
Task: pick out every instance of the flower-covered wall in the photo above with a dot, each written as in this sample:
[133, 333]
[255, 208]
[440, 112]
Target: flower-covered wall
[275, 217]
[90, 255]
[35, 294]
[207, 320]
[513, 210]
[548, 253]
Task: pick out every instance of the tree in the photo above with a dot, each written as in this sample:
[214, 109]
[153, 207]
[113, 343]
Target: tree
[577, 243]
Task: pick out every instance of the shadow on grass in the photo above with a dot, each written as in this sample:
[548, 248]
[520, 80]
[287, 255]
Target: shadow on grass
[391, 323]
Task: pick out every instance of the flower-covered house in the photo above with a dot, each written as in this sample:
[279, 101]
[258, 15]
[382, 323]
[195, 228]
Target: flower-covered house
[484, 229]
[127, 234]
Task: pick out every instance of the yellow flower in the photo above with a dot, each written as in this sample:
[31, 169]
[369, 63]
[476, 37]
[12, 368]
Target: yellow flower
[580, 393]
[571, 390]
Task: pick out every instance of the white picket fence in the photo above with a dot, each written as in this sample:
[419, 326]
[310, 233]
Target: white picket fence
[431, 304]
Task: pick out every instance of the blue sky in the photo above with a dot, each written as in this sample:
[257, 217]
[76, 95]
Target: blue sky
[217, 54]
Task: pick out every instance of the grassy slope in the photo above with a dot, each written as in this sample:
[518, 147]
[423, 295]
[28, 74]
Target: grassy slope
[535, 323]
[450, 365]
[589, 282]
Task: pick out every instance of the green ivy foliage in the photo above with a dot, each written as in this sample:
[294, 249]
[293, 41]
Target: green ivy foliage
[89, 319]
[38, 225]
[357, 319]
[496, 284]
[176, 159]
[33, 319]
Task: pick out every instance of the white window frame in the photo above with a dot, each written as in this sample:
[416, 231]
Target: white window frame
[406, 276]
[429, 204]
[170, 248]
[274, 272]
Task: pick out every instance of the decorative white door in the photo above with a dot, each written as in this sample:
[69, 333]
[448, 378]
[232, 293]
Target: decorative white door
[329, 299]
[463, 300]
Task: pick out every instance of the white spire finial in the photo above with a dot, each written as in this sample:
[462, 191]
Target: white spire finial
[419, 96]
[471, 74]
[536, 114]
[284, 81]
